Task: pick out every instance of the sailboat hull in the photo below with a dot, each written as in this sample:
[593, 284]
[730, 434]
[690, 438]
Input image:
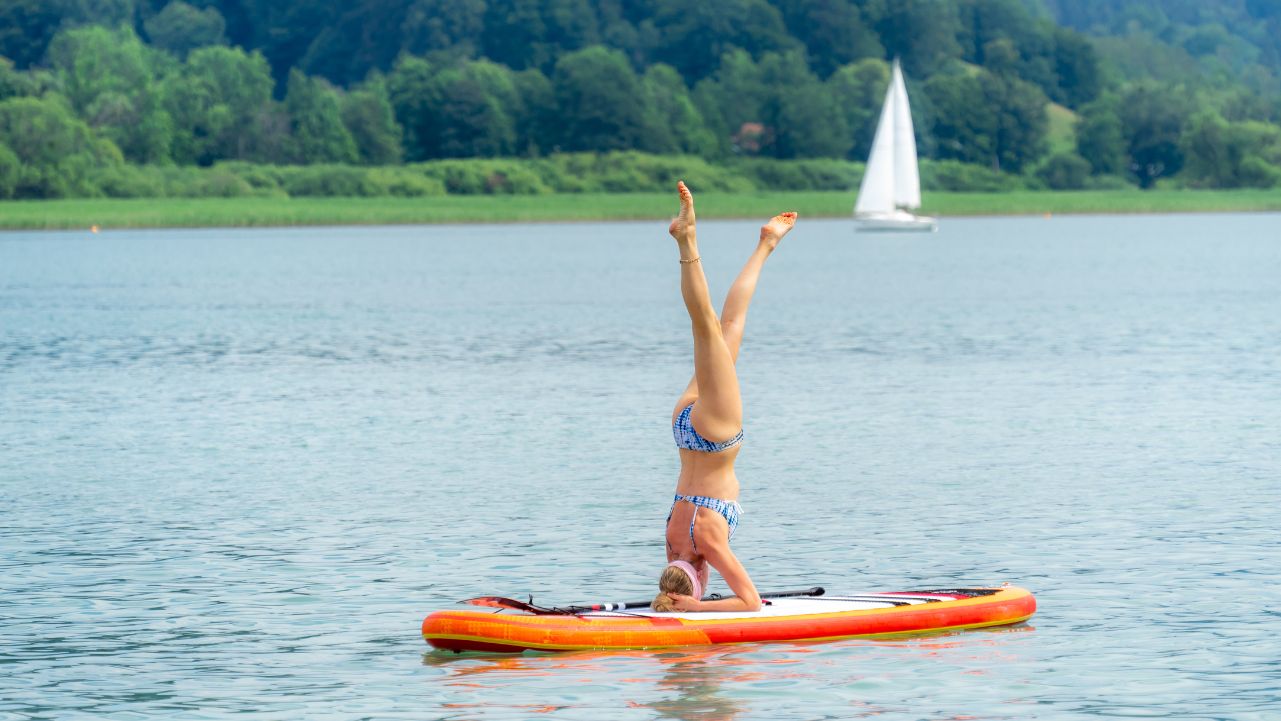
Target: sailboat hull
[901, 221]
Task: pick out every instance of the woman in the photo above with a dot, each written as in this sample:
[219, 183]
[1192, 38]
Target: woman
[708, 427]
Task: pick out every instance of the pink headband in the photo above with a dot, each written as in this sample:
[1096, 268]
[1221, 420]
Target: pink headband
[693, 576]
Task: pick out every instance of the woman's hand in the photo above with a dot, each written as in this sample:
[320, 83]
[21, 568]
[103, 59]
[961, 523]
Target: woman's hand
[681, 602]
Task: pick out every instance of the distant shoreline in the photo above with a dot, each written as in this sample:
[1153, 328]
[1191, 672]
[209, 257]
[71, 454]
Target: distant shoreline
[108, 214]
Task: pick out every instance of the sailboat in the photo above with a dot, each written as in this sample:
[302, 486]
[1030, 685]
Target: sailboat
[891, 187]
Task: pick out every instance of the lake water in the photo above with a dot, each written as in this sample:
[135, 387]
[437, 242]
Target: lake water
[238, 467]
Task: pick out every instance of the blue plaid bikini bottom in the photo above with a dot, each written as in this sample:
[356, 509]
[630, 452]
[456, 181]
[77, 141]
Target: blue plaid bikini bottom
[729, 510]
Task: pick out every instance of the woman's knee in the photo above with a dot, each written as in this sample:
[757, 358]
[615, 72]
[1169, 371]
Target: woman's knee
[731, 325]
[706, 325]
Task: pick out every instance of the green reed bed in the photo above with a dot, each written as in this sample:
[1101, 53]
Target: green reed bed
[248, 212]
[1027, 202]
[245, 212]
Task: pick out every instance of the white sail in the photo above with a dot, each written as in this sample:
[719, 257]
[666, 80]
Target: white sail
[891, 182]
[907, 181]
[876, 192]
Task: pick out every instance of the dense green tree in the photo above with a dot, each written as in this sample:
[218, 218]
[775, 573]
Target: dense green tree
[1239, 103]
[1021, 120]
[1001, 56]
[679, 126]
[1152, 121]
[534, 33]
[1076, 67]
[220, 104]
[411, 89]
[55, 151]
[600, 101]
[692, 37]
[93, 60]
[1268, 14]
[10, 172]
[963, 127]
[137, 123]
[801, 118]
[571, 24]
[833, 31]
[922, 32]
[498, 82]
[1100, 139]
[108, 13]
[732, 102]
[110, 78]
[453, 26]
[14, 83]
[26, 27]
[285, 30]
[1005, 37]
[536, 117]
[983, 21]
[617, 31]
[239, 16]
[181, 28]
[1222, 154]
[1064, 171]
[368, 115]
[471, 121]
[987, 118]
[364, 35]
[1247, 20]
[858, 90]
[317, 133]
[454, 111]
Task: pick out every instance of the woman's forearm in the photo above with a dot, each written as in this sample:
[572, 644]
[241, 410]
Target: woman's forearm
[733, 603]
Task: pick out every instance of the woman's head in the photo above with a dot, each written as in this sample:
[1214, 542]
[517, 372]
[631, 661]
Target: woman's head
[679, 577]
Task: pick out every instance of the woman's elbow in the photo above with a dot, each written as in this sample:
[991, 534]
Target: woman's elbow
[752, 603]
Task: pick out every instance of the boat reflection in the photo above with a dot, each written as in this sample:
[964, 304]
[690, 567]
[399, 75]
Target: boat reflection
[712, 683]
[697, 680]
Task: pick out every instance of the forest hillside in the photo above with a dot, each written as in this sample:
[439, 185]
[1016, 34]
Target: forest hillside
[133, 97]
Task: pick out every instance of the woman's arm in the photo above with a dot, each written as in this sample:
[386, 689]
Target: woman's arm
[715, 548]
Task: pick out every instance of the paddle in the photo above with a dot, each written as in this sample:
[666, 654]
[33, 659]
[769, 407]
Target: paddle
[500, 602]
[511, 603]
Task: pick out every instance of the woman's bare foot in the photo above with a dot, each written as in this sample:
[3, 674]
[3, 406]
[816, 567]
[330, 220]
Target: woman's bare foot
[777, 227]
[682, 227]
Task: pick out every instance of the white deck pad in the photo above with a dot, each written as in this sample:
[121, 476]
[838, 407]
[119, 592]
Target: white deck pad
[796, 606]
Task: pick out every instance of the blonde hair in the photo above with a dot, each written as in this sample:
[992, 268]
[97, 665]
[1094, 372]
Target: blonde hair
[673, 580]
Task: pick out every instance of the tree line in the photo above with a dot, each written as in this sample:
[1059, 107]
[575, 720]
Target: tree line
[94, 86]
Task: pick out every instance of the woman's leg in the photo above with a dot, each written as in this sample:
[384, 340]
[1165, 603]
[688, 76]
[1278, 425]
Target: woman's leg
[718, 413]
[734, 312]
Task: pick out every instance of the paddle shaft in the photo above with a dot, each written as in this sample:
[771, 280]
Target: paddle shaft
[625, 605]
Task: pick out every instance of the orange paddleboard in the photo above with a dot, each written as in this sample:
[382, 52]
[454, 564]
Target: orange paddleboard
[784, 619]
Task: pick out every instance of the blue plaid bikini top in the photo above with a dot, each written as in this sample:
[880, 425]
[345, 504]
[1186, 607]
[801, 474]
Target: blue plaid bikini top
[688, 438]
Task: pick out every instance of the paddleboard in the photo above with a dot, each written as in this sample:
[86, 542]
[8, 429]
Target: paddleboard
[784, 619]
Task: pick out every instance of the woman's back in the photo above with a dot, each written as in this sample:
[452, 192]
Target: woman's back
[708, 474]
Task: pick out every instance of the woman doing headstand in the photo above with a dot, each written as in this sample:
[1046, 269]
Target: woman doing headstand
[708, 426]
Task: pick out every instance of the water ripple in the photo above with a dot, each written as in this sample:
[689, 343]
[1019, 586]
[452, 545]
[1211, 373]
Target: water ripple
[238, 467]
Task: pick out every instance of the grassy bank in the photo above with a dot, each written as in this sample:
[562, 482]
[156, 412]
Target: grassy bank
[237, 212]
